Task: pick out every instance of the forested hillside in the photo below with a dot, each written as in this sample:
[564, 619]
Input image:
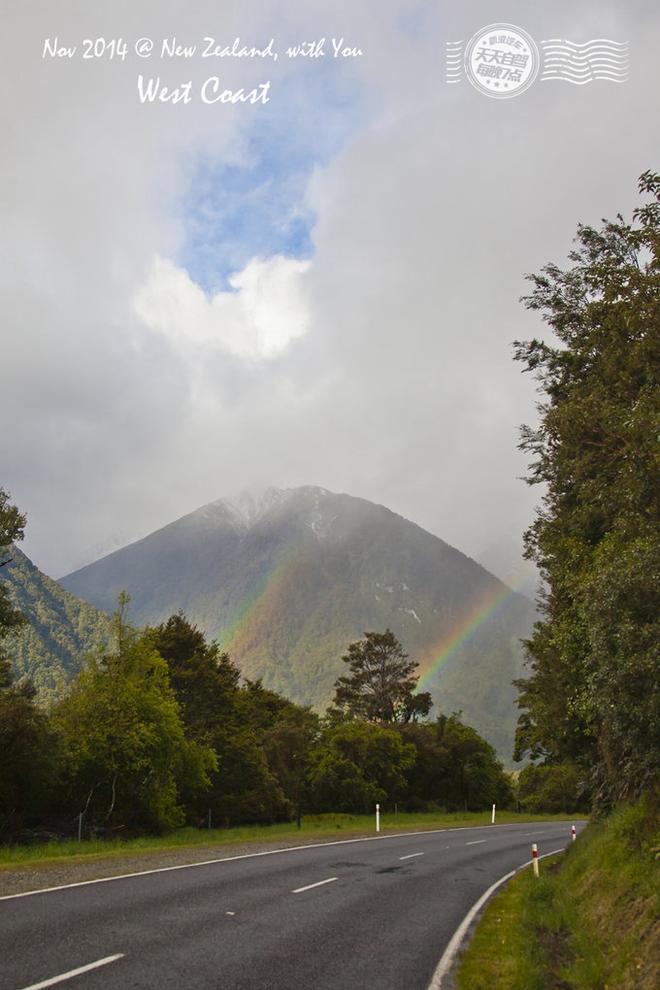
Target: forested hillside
[60, 630]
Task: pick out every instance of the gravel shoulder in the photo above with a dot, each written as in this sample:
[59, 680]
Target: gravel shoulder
[37, 876]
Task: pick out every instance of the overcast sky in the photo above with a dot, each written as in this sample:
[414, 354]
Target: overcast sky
[322, 289]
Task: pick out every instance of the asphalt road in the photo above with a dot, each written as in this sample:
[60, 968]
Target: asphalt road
[356, 914]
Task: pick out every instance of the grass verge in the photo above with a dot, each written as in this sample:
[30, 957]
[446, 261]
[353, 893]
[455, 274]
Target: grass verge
[590, 922]
[313, 826]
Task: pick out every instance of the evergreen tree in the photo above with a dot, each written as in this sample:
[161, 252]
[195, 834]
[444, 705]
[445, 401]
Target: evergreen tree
[381, 685]
[232, 720]
[204, 680]
[592, 697]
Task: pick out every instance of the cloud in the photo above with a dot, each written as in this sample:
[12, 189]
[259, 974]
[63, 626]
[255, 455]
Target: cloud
[135, 391]
[263, 311]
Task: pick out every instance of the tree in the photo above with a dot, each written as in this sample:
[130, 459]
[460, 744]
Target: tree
[204, 680]
[551, 788]
[592, 697]
[381, 685]
[29, 759]
[29, 767]
[455, 768]
[12, 528]
[128, 758]
[358, 764]
[251, 782]
[288, 746]
[476, 778]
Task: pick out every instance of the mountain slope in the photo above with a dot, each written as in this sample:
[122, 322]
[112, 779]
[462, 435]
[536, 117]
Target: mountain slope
[62, 629]
[285, 581]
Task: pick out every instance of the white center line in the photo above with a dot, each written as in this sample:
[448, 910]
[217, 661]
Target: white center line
[411, 855]
[309, 886]
[74, 972]
[475, 842]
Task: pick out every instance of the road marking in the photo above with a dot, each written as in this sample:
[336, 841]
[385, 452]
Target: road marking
[475, 842]
[266, 852]
[232, 913]
[533, 833]
[449, 955]
[411, 855]
[74, 972]
[309, 886]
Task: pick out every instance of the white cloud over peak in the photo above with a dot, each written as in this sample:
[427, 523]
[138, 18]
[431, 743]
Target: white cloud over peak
[256, 318]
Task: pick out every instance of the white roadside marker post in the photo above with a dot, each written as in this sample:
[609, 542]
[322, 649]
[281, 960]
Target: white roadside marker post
[535, 859]
[378, 818]
[573, 832]
[492, 817]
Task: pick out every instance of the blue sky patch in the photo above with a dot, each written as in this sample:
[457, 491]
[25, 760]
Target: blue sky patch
[256, 206]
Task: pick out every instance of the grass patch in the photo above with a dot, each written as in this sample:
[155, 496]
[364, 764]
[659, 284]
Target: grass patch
[590, 922]
[313, 826]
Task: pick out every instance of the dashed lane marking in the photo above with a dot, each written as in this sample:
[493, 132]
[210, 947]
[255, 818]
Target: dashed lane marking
[309, 886]
[74, 972]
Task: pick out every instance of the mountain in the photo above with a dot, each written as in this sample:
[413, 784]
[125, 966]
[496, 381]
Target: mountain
[287, 579]
[62, 629]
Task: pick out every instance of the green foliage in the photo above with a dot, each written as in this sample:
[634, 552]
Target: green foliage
[289, 745]
[12, 525]
[552, 787]
[358, 764]
[204, 680]
[232, 720]
[455, 768]
[284, 593]
[592, 697]
[590, 920]
[44, 631]
[275, 760]
[121, 729]
[29, 765]
[29, 761]
[59, 631]
[380, 686]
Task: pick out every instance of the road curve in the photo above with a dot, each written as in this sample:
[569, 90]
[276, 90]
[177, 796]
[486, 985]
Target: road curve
[335, 916]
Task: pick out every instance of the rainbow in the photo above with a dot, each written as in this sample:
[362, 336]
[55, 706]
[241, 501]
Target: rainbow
[263, 596]
[463, 631]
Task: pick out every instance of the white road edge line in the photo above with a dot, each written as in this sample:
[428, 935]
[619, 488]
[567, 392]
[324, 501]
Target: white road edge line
[309, 886]
[475, 842]
[411, 855]
[449, 955]
[267, 852]
[74, 972]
